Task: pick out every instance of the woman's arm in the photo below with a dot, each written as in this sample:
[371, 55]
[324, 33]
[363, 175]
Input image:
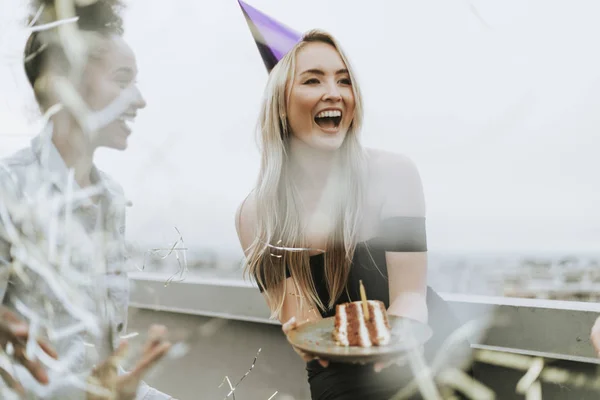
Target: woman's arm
[293, 304]
[407, 274]
[295, 310]
[407, 270]
[296, 307]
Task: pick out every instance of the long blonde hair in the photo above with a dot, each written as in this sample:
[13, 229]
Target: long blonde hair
[277, 200]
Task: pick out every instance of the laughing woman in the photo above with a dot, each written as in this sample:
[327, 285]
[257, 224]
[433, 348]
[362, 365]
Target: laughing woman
[360, 214]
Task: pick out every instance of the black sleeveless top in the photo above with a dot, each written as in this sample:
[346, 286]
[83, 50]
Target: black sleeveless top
[347, 381]
[398, 234]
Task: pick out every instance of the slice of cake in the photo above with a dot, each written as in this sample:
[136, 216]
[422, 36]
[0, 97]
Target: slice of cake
[353, 329]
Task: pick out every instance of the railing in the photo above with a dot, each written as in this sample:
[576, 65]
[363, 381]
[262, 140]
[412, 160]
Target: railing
[546, 328]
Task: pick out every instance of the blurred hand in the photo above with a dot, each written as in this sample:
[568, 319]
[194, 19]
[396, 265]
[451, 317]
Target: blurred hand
[125, 386]
[595, 336]
[290, 325]
[381, 365]
[16, 332]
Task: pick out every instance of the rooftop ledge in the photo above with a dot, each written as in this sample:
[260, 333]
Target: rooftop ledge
[547, 328]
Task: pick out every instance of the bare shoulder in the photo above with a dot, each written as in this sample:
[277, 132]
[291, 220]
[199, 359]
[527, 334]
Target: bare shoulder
[388, 167]
[245, 220]
[395, 180]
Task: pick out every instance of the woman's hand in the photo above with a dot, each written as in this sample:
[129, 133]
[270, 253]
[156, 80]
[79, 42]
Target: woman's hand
[290, 325]
[16, 332]
[125, 386]
[595, 336]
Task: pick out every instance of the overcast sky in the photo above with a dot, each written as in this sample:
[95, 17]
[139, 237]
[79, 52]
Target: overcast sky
[497, 102]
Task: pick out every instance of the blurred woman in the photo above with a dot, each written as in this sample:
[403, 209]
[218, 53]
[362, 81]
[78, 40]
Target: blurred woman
[79, 68]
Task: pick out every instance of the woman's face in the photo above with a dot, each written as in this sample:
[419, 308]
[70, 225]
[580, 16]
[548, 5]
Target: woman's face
[104, 81]
[321, 102]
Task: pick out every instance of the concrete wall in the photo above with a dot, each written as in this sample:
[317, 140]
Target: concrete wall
[227, 345]
[222, 347]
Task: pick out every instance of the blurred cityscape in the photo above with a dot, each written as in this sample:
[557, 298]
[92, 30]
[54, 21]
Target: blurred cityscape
[574, 277]
[541, 276]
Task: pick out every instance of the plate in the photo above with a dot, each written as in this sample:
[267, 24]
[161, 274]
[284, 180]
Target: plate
[316, 338]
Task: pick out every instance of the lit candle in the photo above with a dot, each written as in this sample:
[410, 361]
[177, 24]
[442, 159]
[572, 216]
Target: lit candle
[363, 296]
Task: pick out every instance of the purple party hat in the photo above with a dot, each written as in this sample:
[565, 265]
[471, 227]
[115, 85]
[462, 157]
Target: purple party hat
[272, 38]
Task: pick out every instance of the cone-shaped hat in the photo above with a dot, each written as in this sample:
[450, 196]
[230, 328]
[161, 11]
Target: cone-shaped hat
[272, 38]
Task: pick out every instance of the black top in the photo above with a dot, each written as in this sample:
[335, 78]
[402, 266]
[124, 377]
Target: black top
[346, 381]
[397, 234]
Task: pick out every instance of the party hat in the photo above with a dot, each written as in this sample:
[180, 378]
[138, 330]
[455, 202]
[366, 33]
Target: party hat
[272, 38]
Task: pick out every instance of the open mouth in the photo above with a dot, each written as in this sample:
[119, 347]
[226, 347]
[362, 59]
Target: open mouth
[329, 119]
[127, 120]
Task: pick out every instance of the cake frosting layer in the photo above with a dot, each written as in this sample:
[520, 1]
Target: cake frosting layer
[353, 329]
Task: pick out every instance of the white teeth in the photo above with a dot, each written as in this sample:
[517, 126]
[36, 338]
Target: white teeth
[127, 120]
[329, 113]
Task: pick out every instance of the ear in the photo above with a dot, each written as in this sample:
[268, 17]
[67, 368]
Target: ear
[42, 87]
[61, 90]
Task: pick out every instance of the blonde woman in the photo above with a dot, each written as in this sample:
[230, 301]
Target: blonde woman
[359, 213]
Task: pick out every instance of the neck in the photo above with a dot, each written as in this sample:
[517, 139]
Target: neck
[310, 167]
[74, 148]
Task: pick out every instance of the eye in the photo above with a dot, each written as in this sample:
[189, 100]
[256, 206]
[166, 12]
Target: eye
[123, 83]
[311, 81]
[346, 81]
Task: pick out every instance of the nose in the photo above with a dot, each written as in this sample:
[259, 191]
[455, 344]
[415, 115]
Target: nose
[332, 92]
[139, 101]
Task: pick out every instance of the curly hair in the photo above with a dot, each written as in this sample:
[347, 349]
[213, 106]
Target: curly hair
[100, 16]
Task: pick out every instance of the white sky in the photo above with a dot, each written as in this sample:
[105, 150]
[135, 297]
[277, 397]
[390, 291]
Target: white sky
[503, 122]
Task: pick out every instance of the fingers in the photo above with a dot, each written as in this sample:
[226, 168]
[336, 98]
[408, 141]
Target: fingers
[9, 316]
[157, 332]
[12, 382]
[309, 357]
[129, 383]
[380, 366]
[290, 325]
[121, 350]
[156, 335]
[34, 367]
[111, 362]
[47, 349]
[595, 336]
[150, 358]
[17, 333]
[156, 347]
[304, 355]
[13, 332]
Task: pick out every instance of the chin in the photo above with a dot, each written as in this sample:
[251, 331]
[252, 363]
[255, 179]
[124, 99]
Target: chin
[328, 147]
[121, 146]
[113, 137]
[332, 143]
[117, 145]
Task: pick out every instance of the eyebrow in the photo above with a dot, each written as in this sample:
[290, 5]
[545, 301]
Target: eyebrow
[320, 72]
